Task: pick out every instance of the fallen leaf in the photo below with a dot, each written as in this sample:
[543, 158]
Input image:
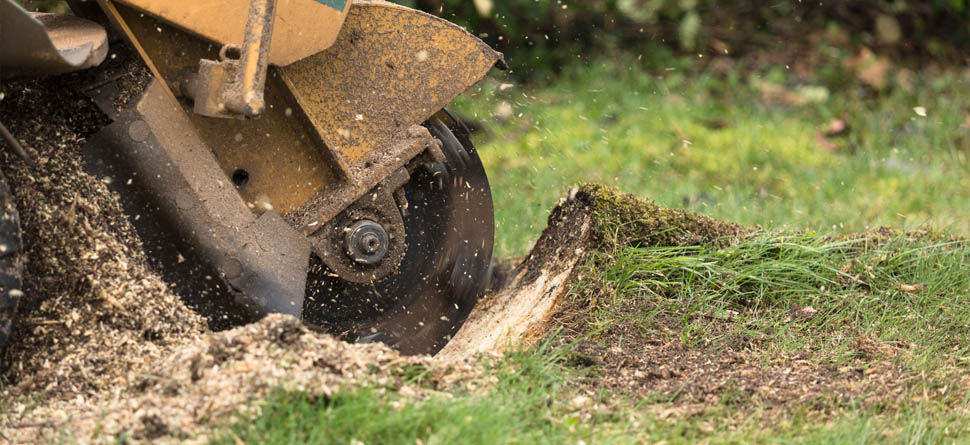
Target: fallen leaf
[774, 94]
[870, 68]
[720, 46]
[904, 78]
[837, 127]
[910, 287]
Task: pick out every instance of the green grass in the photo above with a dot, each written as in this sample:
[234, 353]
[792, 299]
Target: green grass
[902, 291]
[652, 132]
[365, 416]
[897, 290]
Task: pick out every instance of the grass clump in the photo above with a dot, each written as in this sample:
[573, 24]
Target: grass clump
[901, 289]
[783, 324]
[623, 219]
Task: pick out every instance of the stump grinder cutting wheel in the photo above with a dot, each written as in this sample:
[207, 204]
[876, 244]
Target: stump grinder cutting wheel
[288, 156]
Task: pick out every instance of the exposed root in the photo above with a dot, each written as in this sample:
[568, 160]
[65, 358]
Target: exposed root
[521, 310]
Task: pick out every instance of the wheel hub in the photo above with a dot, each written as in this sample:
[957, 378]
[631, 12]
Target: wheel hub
[367, 242]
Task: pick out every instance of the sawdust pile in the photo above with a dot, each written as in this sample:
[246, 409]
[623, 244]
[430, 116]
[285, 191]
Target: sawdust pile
[211, 380]
[93, 308]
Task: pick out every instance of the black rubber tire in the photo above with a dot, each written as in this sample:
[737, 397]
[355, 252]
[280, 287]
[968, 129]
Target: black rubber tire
[11, 266]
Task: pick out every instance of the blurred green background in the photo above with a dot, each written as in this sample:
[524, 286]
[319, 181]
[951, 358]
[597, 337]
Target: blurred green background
[542, 36]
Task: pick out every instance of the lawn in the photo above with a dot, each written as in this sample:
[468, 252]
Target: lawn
[817, 328]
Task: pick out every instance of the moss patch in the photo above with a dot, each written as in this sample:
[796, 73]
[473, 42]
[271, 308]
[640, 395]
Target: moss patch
[625, 220]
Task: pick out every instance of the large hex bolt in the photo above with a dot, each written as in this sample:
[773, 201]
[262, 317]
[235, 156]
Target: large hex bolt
[367, 242]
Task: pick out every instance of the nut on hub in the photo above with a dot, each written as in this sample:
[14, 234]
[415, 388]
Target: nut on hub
[367, 242]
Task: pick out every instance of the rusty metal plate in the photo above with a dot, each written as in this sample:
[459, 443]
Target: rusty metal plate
[336, 123]
[391, 67]
[303, 27]
[283, 160]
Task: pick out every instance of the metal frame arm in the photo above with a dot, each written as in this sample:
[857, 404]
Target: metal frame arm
[234, 88]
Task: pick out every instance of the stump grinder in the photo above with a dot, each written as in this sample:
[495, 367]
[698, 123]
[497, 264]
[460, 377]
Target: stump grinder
[278, 156]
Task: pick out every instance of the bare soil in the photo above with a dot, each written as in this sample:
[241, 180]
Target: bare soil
[682, 381]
